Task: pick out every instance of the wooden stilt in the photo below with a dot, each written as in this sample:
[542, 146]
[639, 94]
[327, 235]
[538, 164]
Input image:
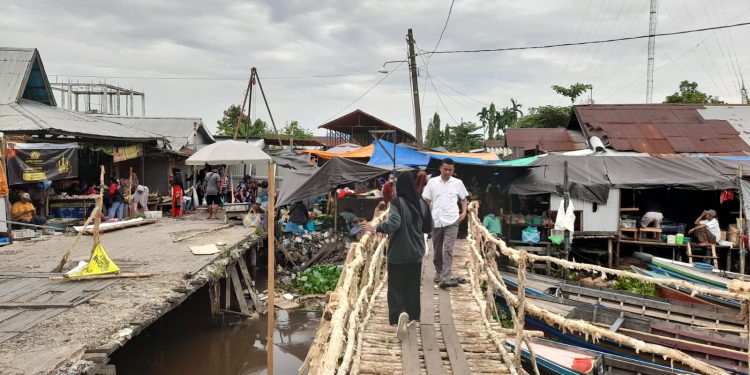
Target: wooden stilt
[238, 290]
[250, 286]
[213, 296]
[689, 253]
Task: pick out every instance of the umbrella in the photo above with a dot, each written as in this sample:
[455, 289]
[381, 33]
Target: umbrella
[228, 152]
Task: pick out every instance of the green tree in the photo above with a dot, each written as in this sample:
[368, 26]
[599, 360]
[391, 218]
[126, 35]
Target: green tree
[228, 123]
[689, 94]
[572, 92]
[297, 132]
[463, 137]
[547, 116]
[434, 136]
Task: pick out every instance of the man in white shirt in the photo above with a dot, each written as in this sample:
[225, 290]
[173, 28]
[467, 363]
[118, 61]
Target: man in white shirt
[706, 230]
[443, 193]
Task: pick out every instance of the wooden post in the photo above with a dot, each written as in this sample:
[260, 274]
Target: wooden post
[271, 262]
[742, 224]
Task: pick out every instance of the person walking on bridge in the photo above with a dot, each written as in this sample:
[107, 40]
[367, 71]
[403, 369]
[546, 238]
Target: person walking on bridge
[408, 220]
[444, 192]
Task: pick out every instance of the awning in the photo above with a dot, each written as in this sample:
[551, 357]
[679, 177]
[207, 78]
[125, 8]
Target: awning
[362, 153]
[409, 157]
[335, 172]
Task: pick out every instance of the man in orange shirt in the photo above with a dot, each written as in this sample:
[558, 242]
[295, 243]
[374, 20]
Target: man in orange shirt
[23, 211]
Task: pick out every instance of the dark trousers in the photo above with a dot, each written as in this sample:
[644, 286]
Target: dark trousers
[403, 290]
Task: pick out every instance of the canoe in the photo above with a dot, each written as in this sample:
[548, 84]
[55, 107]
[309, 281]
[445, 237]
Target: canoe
[684, 271]
[685, 294]
[557, 360]
[699, 314]
[728, 351]
[611, 363]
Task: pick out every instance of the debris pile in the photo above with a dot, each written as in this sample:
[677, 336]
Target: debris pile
[303, 251]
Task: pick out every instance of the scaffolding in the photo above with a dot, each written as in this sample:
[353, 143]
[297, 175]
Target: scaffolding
[78, 97]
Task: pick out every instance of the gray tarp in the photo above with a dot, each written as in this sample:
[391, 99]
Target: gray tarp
[591, 177]
[335, 172]
[291, 160]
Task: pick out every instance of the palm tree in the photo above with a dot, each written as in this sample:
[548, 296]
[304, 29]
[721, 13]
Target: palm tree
[516, 107]
[483, 117]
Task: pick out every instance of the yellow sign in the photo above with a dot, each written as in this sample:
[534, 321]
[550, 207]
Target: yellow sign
[127, 153]
[63, 165]
[99, 264]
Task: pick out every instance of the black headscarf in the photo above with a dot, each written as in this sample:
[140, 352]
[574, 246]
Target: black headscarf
[406, 188]
[177, 178]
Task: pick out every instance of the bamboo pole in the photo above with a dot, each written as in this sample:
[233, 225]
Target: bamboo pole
[271, 223]
[96, 213]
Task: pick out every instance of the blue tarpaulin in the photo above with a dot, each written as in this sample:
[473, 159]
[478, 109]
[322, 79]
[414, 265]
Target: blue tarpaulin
[407, 157]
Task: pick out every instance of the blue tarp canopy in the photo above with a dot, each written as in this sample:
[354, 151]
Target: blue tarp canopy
[408, 157]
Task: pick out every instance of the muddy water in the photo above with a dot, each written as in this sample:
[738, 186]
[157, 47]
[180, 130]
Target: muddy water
[186, 341]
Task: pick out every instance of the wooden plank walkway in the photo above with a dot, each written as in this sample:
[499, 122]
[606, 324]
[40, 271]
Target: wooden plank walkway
[27, 300]
[446, 340]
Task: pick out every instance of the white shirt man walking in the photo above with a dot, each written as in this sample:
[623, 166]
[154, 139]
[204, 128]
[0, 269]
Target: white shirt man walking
[443, 193]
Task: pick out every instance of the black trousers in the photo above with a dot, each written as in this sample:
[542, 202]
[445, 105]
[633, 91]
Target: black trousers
[404, 290]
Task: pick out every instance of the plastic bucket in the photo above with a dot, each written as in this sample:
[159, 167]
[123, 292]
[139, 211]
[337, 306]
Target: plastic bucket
[679, 239]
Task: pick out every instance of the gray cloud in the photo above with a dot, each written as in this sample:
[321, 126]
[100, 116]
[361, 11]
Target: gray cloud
[160, 38]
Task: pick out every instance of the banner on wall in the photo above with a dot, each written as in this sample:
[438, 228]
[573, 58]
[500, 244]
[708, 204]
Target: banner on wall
[37, 162]
[126, 153]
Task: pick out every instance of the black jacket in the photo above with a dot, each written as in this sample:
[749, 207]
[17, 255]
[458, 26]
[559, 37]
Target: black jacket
[406, 243]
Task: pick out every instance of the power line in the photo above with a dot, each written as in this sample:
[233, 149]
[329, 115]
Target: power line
[366, 92]
[461, 93]
[589, 42]
[445, 26]
[213, 78]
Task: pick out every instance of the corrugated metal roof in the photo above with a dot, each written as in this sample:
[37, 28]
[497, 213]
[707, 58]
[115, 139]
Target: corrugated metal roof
[28, 117]
[15, 65]
[667, 128]
[546, 139]
[177, 130]
[22, 75]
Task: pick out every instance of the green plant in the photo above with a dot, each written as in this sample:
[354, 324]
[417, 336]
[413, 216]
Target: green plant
[318, 279]
[635, 286]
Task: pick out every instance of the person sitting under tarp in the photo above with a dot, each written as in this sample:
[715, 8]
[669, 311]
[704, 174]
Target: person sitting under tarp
[23, 211]
[706, 230]
[492, 223]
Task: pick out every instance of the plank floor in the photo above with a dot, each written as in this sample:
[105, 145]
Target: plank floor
[447, 340]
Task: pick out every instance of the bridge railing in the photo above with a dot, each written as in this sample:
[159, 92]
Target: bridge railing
[338, 340]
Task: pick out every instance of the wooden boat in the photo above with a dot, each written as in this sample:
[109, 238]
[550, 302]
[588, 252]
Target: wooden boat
[725, 350]
[557, 360]
[604, 363]
[684, 271]
[699, 314]
[685, 294]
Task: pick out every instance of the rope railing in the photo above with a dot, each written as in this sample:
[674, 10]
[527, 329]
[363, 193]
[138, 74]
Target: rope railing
[341, 328]
[485, 257]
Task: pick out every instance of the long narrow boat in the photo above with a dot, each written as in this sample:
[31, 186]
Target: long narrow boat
[684, 271]
[605, 364]
[684, 294]
[556, 360]
[728, 351]
[698, 314]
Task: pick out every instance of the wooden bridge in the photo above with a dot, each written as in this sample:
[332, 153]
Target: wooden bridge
[457, 333]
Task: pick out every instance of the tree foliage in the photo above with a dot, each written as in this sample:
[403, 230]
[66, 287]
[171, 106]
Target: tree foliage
[434, 136]
[572, 92]
[495, 123]
[547, 116]
[462, 138]
[688, 93]
[228, 123]
[297, 132]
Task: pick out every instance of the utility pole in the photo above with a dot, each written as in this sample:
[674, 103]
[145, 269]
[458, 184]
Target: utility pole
[415, 88]
[651, 49]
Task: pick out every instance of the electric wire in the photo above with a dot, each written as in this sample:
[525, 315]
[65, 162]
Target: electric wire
[366, 92]
[612, 40]
[445, 26]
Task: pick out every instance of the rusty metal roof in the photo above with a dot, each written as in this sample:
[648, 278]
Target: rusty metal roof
[361, 122]
[546, 139]
[660, 128]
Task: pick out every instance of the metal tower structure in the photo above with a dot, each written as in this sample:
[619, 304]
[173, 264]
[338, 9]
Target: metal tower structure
[651, 48]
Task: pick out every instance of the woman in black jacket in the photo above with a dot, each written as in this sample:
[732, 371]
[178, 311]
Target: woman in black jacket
[408, 220]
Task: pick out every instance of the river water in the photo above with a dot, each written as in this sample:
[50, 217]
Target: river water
[185, 341]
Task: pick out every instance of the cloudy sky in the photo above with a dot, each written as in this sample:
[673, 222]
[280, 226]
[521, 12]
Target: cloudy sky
[192, 58]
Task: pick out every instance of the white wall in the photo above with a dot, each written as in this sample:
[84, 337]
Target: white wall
[605, 219]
